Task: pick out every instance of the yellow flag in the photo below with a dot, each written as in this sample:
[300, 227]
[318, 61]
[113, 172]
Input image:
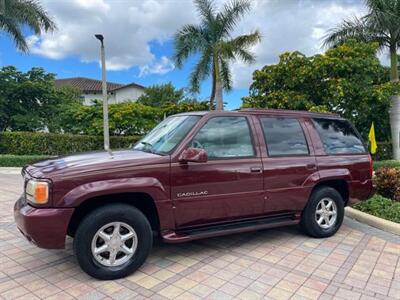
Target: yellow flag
[372, 140]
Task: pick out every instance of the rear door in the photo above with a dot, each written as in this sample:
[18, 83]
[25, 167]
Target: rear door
[226, 187]
[340, 151]
[288, 162]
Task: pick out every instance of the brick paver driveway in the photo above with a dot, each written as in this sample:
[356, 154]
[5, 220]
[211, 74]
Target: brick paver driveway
[358, 262]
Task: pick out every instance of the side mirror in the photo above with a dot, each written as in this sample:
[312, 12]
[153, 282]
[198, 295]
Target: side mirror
[193, 155]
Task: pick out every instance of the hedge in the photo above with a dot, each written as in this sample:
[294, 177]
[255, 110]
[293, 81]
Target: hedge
[387, 163]
[9, 160]
[384, 151]
[37, 143]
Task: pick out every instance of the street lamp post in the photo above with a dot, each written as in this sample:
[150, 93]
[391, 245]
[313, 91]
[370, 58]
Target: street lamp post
[104, 89]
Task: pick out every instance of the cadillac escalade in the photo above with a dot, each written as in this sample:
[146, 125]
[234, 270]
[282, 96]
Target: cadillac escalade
[196, 175]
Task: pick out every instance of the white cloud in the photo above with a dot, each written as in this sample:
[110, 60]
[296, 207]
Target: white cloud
[161, 67]
[129, 26]
[288, 25]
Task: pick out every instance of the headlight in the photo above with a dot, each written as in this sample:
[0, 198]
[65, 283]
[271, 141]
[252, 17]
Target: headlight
[37, 192]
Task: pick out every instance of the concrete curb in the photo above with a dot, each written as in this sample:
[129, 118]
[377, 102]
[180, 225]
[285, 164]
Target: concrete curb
[10, 171]
[373, 221]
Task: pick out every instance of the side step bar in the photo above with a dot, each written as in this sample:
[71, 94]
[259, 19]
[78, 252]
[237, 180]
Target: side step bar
[229, 228]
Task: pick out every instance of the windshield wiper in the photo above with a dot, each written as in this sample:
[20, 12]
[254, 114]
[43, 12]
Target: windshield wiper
[148, 148]
[146, 144]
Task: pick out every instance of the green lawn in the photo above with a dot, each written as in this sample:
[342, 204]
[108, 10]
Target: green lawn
[381, 207]
[387, 163]
[8, 160]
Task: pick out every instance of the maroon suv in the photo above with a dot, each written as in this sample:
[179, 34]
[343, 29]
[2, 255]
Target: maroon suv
[196, 175]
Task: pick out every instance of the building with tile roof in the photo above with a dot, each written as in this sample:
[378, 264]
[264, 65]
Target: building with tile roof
[91, 89]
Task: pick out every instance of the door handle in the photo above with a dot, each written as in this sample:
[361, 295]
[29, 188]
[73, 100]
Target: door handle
[311, 166]
[255, 170]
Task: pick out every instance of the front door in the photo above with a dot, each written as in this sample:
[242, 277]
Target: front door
[226, 187]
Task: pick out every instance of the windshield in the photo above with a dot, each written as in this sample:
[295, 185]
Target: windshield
[166, 135]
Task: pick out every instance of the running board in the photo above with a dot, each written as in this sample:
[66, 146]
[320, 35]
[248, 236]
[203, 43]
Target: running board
[229, 228]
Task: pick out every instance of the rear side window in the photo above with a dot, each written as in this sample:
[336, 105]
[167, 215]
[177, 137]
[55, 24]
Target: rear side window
[284, 137]
[339, 137]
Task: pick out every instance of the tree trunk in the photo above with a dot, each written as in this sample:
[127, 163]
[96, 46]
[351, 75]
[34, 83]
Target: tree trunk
[218, 85]
[395, 105]
[394, 73]
[218, 95]
[213, 83]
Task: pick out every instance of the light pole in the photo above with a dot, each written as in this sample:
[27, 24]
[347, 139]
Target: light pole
[104, 89]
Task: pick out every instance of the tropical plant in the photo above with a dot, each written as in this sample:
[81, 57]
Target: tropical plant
[15, 14]
[29, 100]
[212, 40]
[127, 118]
[160, 94]
[381, 25]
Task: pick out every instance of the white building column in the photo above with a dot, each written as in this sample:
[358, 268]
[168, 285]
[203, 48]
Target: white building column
[395, 126]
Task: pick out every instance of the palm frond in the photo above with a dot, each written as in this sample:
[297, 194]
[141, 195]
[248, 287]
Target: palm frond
[14, 30]
[247, 40]
[384, 17]
[206, 10]
[231, 13]
[31, 13]
[245, 56]
[188, 40]
[17, 13]
[225, 74]
[357, 29]
[239, 47]
[201, 71]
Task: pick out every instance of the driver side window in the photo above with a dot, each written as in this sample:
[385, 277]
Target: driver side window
[225, 137]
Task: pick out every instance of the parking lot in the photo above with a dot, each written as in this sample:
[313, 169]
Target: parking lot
[359, 262]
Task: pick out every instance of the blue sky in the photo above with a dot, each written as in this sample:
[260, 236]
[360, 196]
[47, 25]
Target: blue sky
[139, 46]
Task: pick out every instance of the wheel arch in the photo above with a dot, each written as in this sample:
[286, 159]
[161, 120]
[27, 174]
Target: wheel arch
[339, 185]
[142, 201]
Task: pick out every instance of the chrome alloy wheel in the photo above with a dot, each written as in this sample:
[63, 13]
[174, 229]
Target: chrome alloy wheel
[114, 244]
[326, 213]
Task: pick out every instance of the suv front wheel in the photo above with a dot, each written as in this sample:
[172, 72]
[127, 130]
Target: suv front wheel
[323, 215]
[113, 241]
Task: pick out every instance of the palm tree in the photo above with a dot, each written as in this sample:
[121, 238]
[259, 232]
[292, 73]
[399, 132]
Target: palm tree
[381, 25]
[212, 40]
[14, 14]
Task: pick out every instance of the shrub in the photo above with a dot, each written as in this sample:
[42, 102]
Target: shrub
[31, 143]
[381, 207]
[387, 181]
[384, 151]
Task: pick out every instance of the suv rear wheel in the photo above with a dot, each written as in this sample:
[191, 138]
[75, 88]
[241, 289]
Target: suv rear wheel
[113, 241]
[323, 215]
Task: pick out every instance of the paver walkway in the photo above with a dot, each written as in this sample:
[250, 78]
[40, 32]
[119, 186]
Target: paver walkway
[359, 262]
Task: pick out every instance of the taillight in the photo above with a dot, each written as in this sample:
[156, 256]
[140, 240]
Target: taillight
[370, 165]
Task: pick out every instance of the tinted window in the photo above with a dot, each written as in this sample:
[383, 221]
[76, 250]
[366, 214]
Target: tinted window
[225, 137]
[284, 136]
[339, 137]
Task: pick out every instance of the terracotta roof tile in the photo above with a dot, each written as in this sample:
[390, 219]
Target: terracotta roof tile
[88, 85]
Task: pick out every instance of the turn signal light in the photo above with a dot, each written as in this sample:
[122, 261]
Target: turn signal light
[37, 192]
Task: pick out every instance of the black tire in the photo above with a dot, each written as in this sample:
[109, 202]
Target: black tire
[97, 219]
[309, 223]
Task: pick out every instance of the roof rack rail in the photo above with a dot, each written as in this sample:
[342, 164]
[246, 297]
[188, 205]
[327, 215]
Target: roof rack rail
[287, 111]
